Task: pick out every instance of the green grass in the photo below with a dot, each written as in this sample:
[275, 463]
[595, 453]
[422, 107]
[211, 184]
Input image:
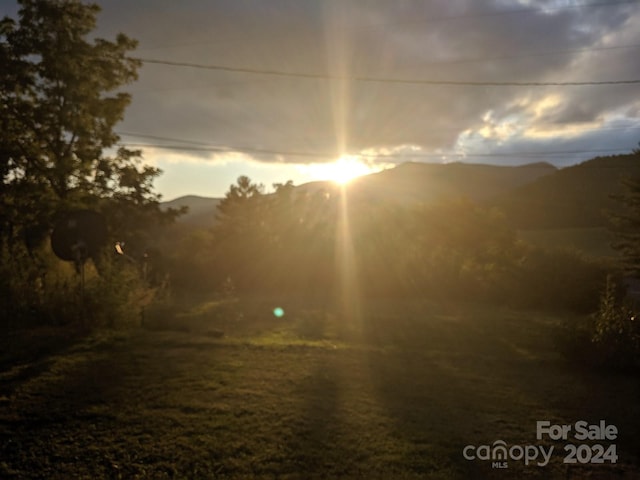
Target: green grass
[397, 395]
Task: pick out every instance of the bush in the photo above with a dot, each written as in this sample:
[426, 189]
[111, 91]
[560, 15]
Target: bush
[118, 296]
[616, 332]
[37, 289]
[557, 280]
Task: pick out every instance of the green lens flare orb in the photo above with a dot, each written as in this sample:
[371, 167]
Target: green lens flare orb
[278, 312]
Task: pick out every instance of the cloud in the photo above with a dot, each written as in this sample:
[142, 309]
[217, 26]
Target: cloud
[506, 41]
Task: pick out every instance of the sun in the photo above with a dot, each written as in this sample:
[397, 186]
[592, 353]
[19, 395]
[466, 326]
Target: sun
[342, 171]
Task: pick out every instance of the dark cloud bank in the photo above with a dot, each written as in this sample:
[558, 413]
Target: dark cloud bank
[462, 40]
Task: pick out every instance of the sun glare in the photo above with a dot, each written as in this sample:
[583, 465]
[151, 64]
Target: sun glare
[341, 171]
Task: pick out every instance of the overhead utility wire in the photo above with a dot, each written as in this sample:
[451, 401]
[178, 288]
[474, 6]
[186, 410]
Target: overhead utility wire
[193, 145]
[367, 155]
[318, 76]
[458, 61]
[220, 149]
[208, 144]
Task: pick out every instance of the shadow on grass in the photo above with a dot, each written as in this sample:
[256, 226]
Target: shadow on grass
[62, 390]
[431, 413]
[88, 411]
[456, 381]
[27, 353]
[312, 435]
[165, 404]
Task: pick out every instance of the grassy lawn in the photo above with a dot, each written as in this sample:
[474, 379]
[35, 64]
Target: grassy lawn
[398, 395]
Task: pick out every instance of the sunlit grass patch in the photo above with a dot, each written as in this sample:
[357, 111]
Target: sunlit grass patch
[288, 338]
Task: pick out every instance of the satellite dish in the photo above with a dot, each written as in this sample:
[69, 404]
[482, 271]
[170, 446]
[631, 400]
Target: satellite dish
[79, 235]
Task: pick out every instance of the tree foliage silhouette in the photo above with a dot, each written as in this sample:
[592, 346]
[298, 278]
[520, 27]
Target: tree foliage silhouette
[60, 98]
[626, 224]
[278, 241]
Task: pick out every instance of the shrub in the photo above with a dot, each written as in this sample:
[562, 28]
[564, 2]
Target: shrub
[36, 289]
[557, 280]
[118, 296]
[616, 332]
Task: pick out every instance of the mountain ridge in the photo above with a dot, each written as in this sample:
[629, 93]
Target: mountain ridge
[531, 196]
[579, 196]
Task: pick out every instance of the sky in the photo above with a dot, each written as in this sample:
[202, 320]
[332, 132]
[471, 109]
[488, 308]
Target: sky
[306, 90]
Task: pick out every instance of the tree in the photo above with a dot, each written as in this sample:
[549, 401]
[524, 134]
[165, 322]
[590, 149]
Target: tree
[626, 224]
[282, 241]
[238, 212]
[60, 99]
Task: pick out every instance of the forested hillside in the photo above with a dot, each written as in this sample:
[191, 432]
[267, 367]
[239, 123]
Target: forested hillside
[533, 196]
[576, 196]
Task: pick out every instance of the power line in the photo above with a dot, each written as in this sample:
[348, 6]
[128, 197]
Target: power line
[421, 65]
[408, 81]
[195, 145]
[218, 149]
[168, 139]
[319, 76]
[209, 144]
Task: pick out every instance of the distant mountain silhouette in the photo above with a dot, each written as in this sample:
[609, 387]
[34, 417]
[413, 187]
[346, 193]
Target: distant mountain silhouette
[532, 196]
[201, 213]
[405, 184]
[430, 182]
[574, 197]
